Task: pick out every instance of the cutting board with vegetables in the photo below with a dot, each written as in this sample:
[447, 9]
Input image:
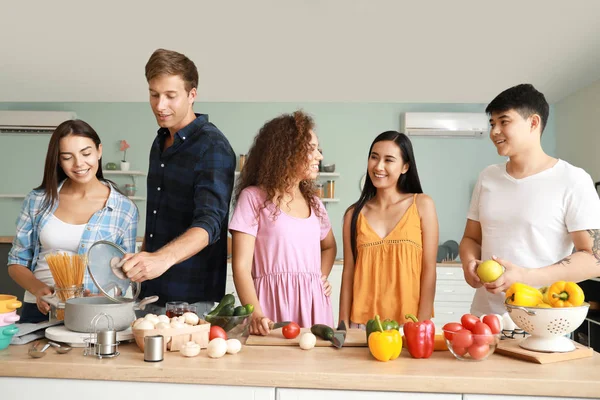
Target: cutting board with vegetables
[510, 347]
[354, 338]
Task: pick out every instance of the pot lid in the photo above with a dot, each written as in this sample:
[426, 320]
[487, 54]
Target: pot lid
[104, 267]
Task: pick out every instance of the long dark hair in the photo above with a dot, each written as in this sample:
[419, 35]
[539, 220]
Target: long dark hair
[408, 183]
[53, 172]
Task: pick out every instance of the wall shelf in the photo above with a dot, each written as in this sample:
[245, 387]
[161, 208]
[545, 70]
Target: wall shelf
[119, 172]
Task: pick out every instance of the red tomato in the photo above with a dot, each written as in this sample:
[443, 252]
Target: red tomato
[459, 351]
[216, 331]
[479, 351]
[462, 338]
[291, 330]
[451, 327]
[469, 321]
[482, 334]
[493, 322]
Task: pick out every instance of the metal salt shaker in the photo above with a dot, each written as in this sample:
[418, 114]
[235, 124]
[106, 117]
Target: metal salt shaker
[106, 341]
[153, 348]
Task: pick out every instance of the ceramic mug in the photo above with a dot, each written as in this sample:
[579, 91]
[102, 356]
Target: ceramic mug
[9, 318]
[9, 303]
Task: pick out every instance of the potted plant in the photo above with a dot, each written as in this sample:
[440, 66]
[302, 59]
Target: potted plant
[123, 148]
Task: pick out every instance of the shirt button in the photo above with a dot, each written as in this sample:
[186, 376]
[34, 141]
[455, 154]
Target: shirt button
[82, 246]
[158, 188]
[151, 235]
[154, 211]
[183, 138]
[89, 229]
[162, 165]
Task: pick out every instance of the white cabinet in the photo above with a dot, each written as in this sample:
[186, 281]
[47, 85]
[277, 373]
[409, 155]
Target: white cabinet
[72, 389]
[316, 394]
[453, 295]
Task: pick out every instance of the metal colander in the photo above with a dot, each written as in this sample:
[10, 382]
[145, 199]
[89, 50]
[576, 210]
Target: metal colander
[548, 327]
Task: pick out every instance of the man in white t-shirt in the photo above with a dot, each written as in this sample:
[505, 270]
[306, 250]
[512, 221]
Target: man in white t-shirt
[530, 212]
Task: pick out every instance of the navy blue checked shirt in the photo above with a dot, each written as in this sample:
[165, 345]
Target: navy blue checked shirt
[190, 185]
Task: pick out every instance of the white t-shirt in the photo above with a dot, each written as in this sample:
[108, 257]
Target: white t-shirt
[55, 236]
[527, 221]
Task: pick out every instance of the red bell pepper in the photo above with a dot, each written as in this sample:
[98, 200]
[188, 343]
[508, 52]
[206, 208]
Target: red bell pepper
[419, 336]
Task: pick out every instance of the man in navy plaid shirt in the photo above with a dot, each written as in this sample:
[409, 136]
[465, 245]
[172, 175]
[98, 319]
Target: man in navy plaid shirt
[190, 180]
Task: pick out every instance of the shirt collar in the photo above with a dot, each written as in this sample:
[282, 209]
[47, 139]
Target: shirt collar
[189, 129]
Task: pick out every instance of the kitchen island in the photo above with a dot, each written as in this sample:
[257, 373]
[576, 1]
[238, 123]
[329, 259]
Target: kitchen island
[289, 373]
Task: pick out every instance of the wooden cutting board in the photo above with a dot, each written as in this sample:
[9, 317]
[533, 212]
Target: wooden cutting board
[354, 338]
[510, 347]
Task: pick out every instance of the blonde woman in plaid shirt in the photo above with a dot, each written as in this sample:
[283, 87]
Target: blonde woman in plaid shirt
[72, 208]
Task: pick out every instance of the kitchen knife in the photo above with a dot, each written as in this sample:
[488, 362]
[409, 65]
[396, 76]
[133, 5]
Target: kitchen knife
[275, 325]
[339, 336]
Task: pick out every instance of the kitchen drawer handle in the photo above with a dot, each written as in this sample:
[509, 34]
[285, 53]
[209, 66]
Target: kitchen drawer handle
[447, 273]
[448, 291]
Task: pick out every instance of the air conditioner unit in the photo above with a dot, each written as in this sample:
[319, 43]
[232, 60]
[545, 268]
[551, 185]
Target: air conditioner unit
[32, 121]
[447, 124]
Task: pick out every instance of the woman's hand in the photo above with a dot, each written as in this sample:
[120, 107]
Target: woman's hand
[43, 290]
[326, 285]
[260, 325]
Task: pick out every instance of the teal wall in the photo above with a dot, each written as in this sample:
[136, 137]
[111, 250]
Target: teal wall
[448, 167]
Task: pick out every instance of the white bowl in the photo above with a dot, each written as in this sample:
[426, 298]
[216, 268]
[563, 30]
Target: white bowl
[548, 327]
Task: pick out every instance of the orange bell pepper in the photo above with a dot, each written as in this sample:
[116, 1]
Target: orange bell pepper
[384, 345]
[565, 294]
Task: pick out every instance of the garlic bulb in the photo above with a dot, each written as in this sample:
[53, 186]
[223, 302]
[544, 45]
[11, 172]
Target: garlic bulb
[217, 348]
[233, 346]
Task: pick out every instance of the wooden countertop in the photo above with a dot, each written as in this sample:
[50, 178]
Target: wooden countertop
[321, 368]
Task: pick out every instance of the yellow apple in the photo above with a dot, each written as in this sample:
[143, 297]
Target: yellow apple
[489, 271]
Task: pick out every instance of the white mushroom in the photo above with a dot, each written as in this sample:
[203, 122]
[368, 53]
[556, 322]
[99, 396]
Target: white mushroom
[233, 346]
[217, 348]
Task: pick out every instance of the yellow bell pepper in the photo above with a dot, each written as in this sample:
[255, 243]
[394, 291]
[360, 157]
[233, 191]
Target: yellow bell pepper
[520, 294]
[565, 294]
[544, 292]
[384, 345]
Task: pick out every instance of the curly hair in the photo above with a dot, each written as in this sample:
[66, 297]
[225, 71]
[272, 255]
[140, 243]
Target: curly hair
[277, 156]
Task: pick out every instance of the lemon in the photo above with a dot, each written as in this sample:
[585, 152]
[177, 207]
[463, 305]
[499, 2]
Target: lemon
[489, 271]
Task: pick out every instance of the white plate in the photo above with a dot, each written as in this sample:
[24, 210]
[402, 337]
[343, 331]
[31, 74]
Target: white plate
[76, 339]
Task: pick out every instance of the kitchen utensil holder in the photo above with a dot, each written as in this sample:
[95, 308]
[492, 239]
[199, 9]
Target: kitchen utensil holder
[93, 348]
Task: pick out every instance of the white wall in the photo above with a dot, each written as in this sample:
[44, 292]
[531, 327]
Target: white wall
[578, 129]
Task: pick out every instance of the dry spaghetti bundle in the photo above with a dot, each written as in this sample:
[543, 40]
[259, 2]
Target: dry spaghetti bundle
[67, 271]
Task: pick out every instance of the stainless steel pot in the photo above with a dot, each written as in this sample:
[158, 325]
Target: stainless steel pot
[80, 311]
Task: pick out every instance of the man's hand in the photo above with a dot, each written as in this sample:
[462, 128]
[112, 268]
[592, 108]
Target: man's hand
[470, 272]
[512, 273]
[144, 266]
[41, 304]
[326, 285]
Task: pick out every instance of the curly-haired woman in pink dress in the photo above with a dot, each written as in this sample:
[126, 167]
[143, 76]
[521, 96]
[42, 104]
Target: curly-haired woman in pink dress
[283, 245]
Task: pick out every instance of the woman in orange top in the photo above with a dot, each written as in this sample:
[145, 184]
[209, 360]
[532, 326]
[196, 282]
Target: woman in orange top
[390, 239]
